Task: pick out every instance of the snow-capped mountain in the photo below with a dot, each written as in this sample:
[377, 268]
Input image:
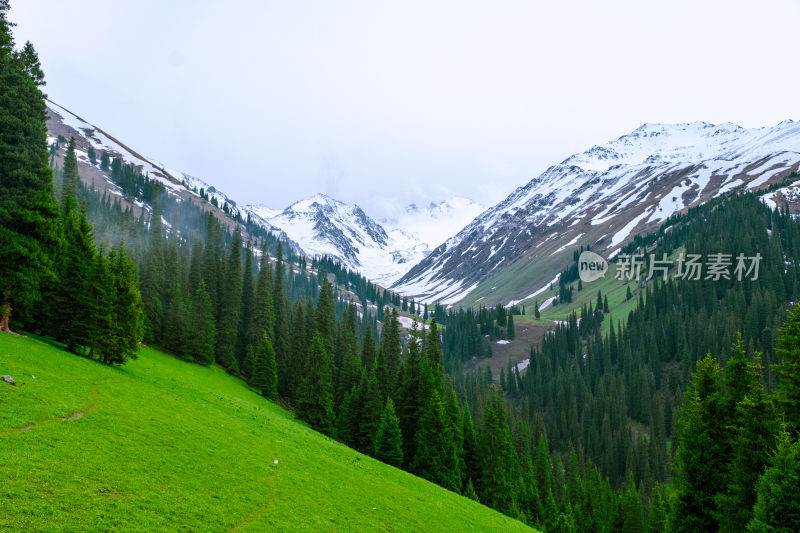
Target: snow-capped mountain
[601, 197]
[435, 223]
[322, 225]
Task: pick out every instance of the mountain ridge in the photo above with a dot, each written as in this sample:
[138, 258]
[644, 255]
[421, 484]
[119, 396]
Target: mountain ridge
[601, 197]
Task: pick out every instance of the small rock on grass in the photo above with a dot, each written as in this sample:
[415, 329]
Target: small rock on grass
[8, 379]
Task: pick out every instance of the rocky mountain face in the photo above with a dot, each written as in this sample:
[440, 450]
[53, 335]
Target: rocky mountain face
[383, 252]
[602, 198]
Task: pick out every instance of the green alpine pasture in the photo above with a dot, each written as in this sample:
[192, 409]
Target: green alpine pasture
[163, 445]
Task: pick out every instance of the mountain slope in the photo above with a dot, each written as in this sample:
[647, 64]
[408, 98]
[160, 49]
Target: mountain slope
[602, 198]
[63, 122]
[221, 458]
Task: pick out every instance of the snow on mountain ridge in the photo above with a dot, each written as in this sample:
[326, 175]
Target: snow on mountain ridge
[603, 195]
[685, 142]
[322, 225]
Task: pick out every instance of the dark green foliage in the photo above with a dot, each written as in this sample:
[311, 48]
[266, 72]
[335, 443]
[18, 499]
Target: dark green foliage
[202, 333]
[657, 515]
[127, 314]
[752, 431]
[499, 465]
[230, 302]
[435, 455]
[281, 334]
[29, 225]
[74, 290]
[69, 176]
[105, 162]
[388, 439]
[92, 155]
[389, 354]
[632, 510]
[788, 350]
[263, 318]
[699, 464]
[510, 332]
[777, 508]
[247, 308]
[315, 390]
[264, 375]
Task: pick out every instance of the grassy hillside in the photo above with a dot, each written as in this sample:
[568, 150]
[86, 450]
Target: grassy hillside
[160, 444]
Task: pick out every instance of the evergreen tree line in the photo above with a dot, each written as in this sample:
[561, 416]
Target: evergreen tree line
[52, 272]
[611, 399]
[737, 460]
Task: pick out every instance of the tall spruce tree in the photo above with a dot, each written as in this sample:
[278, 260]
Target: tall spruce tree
[388, 439]
[315, 390]
[265, 372]
[202, 333]
[499, 465]
[777, 507]
[69, 175]
[699, 465]
[787, 394]
[231, 301]
[29, 221]
[247, 305]
[389, 355]
[127, 313]
[281, 335]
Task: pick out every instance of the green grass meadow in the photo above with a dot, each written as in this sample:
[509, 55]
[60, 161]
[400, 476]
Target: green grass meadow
[165, 445]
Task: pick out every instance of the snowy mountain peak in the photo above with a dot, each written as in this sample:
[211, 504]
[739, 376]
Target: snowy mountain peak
[695, 142]
[601, 197]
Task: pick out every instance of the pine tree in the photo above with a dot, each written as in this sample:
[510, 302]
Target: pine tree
[247, 304]
[265, 372]
[787, 393]
[752, 437]
[105, 162]
[632, 509]
[29, 222]
[499, 466]
[777, 507]
[74, 289]
[325, 315]
[249, 365]
[231, 299]
[203, 331]
[389, 355]
[434, 450]
[699, 465]
[315, 391]
[69, 175]
[410, 401]
[510, 333]
[101, 332]
[92, 155]
[127, 313]
[657, 514]
[281, 334]
[263, 319]
[368, 350]
[388, 439]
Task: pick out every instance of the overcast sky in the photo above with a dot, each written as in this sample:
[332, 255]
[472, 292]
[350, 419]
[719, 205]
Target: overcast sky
[404, 101]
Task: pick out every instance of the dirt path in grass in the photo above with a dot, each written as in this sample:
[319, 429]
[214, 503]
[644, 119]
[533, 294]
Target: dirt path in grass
[261, 509]
[90, 408]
